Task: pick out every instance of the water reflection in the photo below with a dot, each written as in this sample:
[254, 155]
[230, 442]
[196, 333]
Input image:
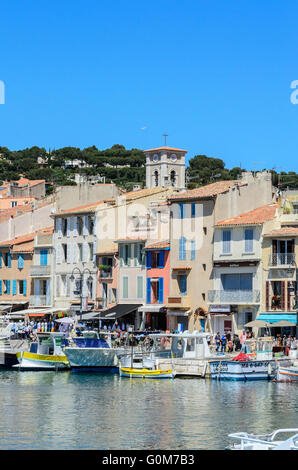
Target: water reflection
[63, 410]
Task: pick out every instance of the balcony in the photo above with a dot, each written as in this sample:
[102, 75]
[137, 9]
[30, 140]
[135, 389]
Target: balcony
[282, 259]
[106, 274]
[289, 216]
[40, 271]
[40, 300]
[233, 296]
[182, 302]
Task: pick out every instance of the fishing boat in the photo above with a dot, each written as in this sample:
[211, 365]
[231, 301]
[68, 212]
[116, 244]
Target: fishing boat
[258, 364]
[287, 374]
[143, 366]
[93, 352]
[8, 356]
[44, 354]
[265, 442]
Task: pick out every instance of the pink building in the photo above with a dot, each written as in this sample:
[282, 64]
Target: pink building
[157, 285]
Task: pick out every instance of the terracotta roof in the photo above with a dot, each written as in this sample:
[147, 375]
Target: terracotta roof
[26, 238]
[256, 216]
[165, 148]
[158, 245]
[208, 191]
[90, 207]
[23, 247]
[283, 231]
[143, 193]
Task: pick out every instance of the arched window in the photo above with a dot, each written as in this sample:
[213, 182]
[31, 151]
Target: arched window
[156, 178]
[173, 177]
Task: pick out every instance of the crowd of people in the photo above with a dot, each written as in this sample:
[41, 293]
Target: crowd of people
[28, 329]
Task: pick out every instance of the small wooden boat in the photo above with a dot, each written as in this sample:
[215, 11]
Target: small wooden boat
[146, 373]
[45, 354]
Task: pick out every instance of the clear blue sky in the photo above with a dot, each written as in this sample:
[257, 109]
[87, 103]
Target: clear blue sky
[214, 75]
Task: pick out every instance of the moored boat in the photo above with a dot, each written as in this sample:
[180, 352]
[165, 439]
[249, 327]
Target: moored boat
[287, 374]
[93, 352]
[45, 354]
[146, 373]
[266, 441]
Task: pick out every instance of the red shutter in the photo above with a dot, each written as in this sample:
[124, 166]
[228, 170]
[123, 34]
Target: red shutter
[282, 300]
[267, 295]
[288, 297]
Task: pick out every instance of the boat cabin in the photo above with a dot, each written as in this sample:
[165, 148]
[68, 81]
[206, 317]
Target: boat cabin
[185, 345]
[50, 344]
[93, 339]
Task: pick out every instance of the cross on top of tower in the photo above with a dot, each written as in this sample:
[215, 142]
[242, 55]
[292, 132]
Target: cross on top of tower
[165, 136]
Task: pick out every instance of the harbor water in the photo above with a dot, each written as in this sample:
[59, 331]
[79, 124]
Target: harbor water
[64, 410]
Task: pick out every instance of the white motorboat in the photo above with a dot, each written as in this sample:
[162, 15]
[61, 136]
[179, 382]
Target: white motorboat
[93, 352]
[272, 441]
[45, 354]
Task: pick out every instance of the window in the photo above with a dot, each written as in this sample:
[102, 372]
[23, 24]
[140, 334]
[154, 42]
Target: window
[193, 209]
[203, 297]
[90, 251]
[139, 255]
[20, 261]
[80, 225]
[140, 289]
[249, 238]
[237, 281]
[125, 287]
[64, 247]
[14, 203]
[181, 210]
[80, 250]
[43, 257]
[91, 224]
[64, 227]
[205, 230]
[182, 284]
[22, 287]
[182, 248]
[125, 254]
[204, 267]
[7, 259]
[226, 241]
[156, 258]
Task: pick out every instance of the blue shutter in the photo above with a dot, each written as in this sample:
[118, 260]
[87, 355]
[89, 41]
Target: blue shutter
[183, 288]
[249, 235]
[193, 249]
[182, 248]
[43, 257]
[14, 287]
[193, 209]
[20, 261]
[8, 287]
[25, 287]
[226, 238]
[161, 259]
[181, 207]
[148, 300]
[0, 259]
[160, 291]
[0, 287]
[9, 260]
[148, 259]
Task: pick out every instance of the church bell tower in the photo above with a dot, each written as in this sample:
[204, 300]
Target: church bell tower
[165, 167]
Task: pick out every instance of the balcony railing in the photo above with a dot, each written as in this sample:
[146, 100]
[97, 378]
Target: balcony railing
[40, 300]
[282, 259]
[106, 274]
[40, 271]
[233, 296]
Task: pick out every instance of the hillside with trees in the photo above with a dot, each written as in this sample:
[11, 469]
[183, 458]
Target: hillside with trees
[117, 164]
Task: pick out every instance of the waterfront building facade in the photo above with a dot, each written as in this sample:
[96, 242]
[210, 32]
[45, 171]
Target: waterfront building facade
[238, 270]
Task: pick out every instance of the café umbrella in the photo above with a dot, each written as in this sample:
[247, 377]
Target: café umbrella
[283, 323]
[65, 320]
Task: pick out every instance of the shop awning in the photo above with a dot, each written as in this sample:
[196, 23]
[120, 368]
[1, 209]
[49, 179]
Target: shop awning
[116, 312]
[275, 317]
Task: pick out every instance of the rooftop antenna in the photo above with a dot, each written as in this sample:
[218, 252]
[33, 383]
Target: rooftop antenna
[165, 136]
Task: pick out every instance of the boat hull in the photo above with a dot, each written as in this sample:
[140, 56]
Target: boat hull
[287, 374]
[34, 361]
[92, 359]
[7, 360]
[146, 373]
[246, 370]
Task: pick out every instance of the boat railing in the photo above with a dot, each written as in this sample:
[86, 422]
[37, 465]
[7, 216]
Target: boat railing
[268, 440]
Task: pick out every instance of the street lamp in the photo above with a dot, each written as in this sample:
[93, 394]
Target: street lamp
[81, 279]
